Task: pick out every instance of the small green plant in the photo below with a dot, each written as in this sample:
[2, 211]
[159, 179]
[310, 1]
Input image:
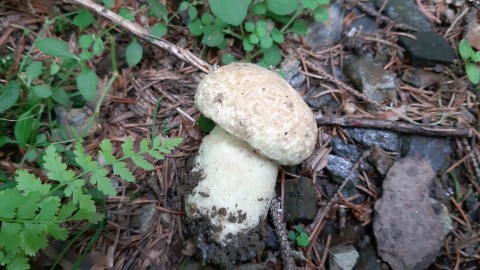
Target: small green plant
[470, 58]
[33, 210]
[259, 26]
[299, 236]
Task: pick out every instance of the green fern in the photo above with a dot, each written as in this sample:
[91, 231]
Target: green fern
[32, 211]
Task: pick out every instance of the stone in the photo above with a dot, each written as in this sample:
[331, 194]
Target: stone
[381, 159]
[408, 230]
[436, 150]
[406, 12]
[317, 101]
[427, 49]
[368, 259]
[76, 119]
[300, 201]
[321, 35]
[422, 78]
[370, 78]
[369, 137]
[145, 218]
[343, 257]
[339, 167]
[363, 22]
[345, 150]
[289, 67]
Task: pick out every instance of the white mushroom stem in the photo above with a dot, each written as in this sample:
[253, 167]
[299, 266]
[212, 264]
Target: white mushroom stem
[236, 186]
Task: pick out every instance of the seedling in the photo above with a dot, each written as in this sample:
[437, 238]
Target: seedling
[299, 236]
[470, 58]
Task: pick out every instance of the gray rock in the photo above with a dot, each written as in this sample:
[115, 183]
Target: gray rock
[408, 230]
[343, 257]
[289, 67]
[300, 201]
[380, 159]
[369, 137]
[317, 101]
[406, 12]
[145, 218]
[422, 78]
[321, 35]
[77, 119]
[368, 259]
[345, 150]
[339, 168]
[370, 78]
[436, 150]
[364, 23]
[427, 49]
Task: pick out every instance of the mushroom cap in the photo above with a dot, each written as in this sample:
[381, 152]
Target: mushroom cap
[260, 107]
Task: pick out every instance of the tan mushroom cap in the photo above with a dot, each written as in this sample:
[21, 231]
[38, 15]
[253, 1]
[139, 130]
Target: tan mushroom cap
[259, 106]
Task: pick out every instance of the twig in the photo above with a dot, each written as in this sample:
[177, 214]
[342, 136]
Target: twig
[396, 126]
[277, 213]
[140, 32]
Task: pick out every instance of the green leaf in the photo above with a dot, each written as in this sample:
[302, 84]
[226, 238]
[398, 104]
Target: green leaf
[144, 145]
[291, 235]
[28, 182]
[126, 14]
[57, 232]
[29, 205]
[302, 239]
[120, 169]
[249, 26]
[320, 14]
[19, 261]
[253, 38]
[212, 36]
[261, 31]
[83, 19]
[157, 9]
[33, 238]
[5, 140]
[108, 3]
[9, 233]
[54, 68]
[9, 95]
[309, 4]
[127, 147]
[156, 155]
[73, 188]
[230, 11]
[192, 13]
[323, 2]
[142, 163]
[465, 49]
[42, 91]
[85, 41]
[54, 47]
[87, 82]
[52, 162]
[98, 46]
[227, 58]
[66, 211]
[25, 128]
[272, 56]
[133, 53]
[207, 18]
[34, 70]
[48, 208]
[282, 7]
[60, 96]
[277, 36]
[9, 198]
[260, 8]
[159, 29]
[472, 73]
[196, 27]
[103, 183]
[299, 27]
[107, 151]
[86, 55]
[183, 6]
[266, 42]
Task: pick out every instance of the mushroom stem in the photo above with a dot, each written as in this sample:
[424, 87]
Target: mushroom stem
[236, 185]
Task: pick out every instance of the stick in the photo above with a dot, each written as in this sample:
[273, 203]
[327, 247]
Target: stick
[396, 126]
[140, 32]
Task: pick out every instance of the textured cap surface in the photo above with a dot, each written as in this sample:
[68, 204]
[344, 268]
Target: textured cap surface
[260, 107]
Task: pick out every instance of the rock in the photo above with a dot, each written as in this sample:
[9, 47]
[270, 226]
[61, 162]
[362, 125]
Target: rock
[368, 259]
[406, 12]
[363, 23]
[343, 257]
[300, 201]
[380, 159]
[427, 49]
[317, 101]
[77, 120]
[320, 35]
[421, 78]
[408, 230]
[339, 167]
[370, 78]
[436, 150]
[289, 67]
[345, 150]
[369, 137]
[145, 218]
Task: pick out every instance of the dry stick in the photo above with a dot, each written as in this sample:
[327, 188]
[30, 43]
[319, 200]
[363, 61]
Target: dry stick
[140, 32]
[395, 126]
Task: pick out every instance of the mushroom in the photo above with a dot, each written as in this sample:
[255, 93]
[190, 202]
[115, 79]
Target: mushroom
[261, 123]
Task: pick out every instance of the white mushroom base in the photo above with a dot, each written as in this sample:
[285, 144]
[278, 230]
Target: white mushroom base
[236, 187]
